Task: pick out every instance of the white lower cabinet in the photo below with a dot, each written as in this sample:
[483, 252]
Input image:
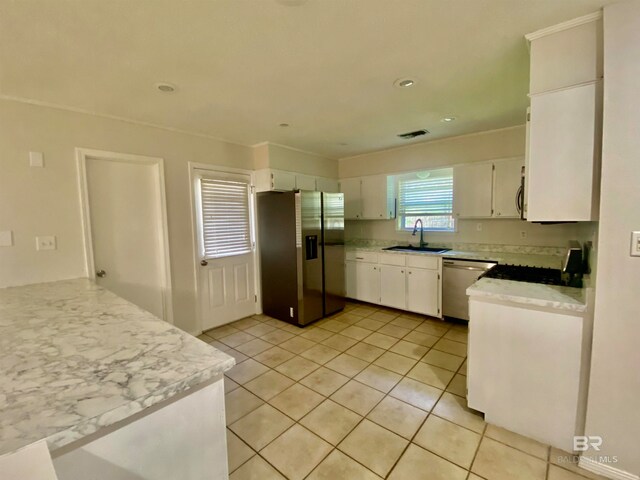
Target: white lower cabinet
[423, 291]
[405, 282]
[528, 368]
[363, 281]
[392, 287]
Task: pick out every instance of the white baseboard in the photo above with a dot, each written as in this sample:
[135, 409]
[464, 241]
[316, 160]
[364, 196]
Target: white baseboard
[605, 470]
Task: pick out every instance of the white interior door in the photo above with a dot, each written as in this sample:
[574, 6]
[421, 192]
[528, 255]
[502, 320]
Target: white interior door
[125, 216]
[226, 273]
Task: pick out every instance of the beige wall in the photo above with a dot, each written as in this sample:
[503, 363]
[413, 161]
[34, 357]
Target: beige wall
[42, 201]
[614, 390]
[280, 157]
[504, 143]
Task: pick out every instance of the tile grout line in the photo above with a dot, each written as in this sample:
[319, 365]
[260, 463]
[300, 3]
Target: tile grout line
[385, 394]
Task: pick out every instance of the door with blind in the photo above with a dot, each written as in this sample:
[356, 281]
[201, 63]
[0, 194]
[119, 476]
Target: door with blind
[226, 273]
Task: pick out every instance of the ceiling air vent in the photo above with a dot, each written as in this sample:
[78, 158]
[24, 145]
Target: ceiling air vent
[410, 135]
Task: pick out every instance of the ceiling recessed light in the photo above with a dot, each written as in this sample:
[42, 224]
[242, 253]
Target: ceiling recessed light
[448, 119]
[284, 125]
[166, 87]
[404, 82]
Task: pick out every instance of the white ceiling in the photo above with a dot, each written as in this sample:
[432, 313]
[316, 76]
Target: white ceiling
[242, 67]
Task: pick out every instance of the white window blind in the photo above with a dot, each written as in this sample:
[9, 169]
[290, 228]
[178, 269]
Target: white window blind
[426, 195]
[225, 217]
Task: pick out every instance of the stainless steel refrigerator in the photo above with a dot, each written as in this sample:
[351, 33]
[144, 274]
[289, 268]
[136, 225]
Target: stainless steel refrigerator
[301, 243]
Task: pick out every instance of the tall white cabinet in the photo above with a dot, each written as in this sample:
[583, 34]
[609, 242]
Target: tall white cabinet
[565, 122]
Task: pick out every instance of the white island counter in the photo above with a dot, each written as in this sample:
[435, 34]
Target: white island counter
[529, 352]
[111, 388]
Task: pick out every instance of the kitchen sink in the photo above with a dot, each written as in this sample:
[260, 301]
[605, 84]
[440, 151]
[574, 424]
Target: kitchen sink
[411, 248]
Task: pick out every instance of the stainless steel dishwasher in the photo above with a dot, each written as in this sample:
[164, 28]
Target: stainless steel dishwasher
[458, 275]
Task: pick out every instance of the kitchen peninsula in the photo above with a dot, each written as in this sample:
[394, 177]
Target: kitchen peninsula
[116, 392]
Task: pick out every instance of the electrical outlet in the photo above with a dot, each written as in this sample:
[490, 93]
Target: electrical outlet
[479, 227]
[6, 238]
[36, 159]
[47, 242]
[635, 244]
[523, 234]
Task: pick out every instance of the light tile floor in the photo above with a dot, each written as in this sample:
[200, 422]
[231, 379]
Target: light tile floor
[369, 393]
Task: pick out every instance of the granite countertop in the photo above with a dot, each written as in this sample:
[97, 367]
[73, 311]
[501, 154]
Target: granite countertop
[512, 258]
[535, 294]
[75, 358]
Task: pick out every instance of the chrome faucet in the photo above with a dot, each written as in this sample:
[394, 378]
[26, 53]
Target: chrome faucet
[415, 229]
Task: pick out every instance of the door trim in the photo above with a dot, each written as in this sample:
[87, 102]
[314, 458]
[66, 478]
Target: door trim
[193, 166]
[82, 154]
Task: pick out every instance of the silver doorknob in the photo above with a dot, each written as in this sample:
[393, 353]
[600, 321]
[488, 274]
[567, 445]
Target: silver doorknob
[204, 263]
[101, 273]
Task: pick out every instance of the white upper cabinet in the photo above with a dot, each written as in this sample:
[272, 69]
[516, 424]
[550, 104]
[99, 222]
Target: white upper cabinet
[567, 54]
[305, 182]
[472, 190]
[268, 179]
[352, 198]
[507, 178]
[324, 184]
[378, 201]
[565, 123]
[564, 155]
[368, 198]
[487, 190]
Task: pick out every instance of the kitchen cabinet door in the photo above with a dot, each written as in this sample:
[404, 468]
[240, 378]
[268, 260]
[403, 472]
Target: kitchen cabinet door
[328, 185]
[282, 181]
[564, 155]
[393, 292]
[423, 291]
[305, 182]
[352, 198]
[472, 190]
[351, 280]
[367, 282]
[506, 184]
[377, 199]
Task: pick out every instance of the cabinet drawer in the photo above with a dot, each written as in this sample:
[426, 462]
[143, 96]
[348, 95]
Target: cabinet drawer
[430, 262]
[369, 257]
[391, 259]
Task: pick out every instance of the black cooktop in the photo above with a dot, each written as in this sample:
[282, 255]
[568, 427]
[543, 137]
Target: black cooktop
[521, 273]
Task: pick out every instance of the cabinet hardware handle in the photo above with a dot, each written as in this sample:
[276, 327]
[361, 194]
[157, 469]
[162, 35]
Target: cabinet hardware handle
[359, 258]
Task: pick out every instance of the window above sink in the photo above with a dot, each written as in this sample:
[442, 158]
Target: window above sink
[426, 195]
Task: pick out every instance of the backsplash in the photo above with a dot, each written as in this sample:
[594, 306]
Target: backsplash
[466, 247]
[493, 233]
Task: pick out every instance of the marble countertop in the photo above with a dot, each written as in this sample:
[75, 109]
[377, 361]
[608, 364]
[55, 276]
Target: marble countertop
[535, 294]
[75, 358]
[511, 258]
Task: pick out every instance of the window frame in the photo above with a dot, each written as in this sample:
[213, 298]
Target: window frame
[401, 216]
[199, 175]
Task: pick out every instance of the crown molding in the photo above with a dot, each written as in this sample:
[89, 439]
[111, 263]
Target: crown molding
[592, 17]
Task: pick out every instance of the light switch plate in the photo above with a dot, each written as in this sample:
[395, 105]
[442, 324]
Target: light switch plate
[36, 159]
[47, 242]
[6, 238]
[635, 244]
